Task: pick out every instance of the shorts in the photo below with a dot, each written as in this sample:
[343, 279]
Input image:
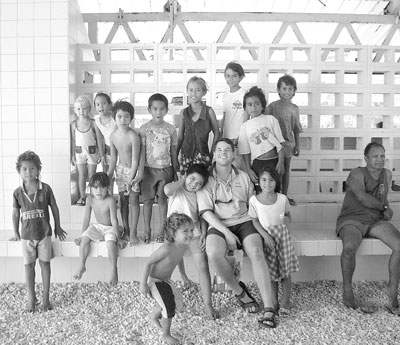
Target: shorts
[288, 148]
[86, 156]
[154, 181]
[122, 174]
[241, 230]
[167, 296]
[362, 227]
[35, 249]
[100, 232]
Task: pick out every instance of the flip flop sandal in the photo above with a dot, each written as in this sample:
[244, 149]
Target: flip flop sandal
[252, 307]
[392, 310]
[81, 202]
[268, 321]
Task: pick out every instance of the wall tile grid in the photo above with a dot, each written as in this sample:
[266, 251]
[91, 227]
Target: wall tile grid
[37, 39]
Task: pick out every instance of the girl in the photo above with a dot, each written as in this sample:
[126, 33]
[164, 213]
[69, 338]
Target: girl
[270, 215]
[85, 145]
[197, 121]
[182, 198]
[260, 137]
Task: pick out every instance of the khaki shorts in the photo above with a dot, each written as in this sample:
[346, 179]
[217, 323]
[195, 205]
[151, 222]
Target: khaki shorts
[35, 249]
[100, 232]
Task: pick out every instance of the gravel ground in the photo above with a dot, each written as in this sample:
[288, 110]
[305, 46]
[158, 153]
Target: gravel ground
[99, 314]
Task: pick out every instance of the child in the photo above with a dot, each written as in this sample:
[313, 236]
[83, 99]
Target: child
[234, 114]
[31, 203]
[259, 137]
[105, 123]
[85, 145]
[287, 114]
[106, 228]
[270, 215]
[182, 199]
[197, 121]
[161, 164]
[125, 145]
[156, 282]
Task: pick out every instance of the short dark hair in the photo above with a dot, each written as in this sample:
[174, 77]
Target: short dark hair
[371, 146]
[29, 156]
[173, 223]
[288, 80]
[200, 169]
[274, 174]
[255, 91]
[99, 179]
[236, 67]
[124, 106]
[225, 140]
[157, 97]
[102, 94]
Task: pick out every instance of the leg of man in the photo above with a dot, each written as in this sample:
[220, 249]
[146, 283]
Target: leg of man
[84, 249]
[389, 235]
[252, 245]
[46, 272]
[113, 257]
[351, 240]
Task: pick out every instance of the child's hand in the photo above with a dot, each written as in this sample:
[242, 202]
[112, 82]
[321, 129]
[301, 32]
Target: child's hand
[232, 241]
[77, 241]
[268, 241]
[60, 233]
[187, 283]
[296, 151]
[280, 168]
[253, 176]
[202, 241]
[16, 237]
[144, 289]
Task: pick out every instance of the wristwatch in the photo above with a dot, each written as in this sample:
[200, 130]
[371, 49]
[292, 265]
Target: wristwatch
[385, 207]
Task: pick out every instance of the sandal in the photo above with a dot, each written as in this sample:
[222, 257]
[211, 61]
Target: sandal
[251, 307]
[81, 202]
[268, 321]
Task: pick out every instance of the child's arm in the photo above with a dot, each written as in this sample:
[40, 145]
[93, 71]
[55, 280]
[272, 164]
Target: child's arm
[15, 221]
[174, 160]
[172, 187]
[113, 159]
[203, 235]
[287, 219]
[99, 141]
[249, 170]
[215, 129]
[58, 231]
[268, 241]
[296, 131]
[72, 146]
[142, 161]
[135, 144]
[181, 133]
[222, 124]
[279, 166]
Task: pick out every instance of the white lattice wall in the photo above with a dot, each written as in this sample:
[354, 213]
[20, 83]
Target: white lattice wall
[345, 98]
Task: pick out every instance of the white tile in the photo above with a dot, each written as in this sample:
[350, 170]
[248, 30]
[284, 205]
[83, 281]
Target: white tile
[9, 130]
[25, 11]
[42, 96]
[14, 249]
[8, 12]
[42, 113]
[25, 62]
[60, 95]
[8, 28]
[42, 10]
[26, 130]
[10, 148]
[41, 27]
[9, 80]
[61, 130]
[26, 79]
[59, 79]
[60, 113]
[59, 62]
[59, 44]
[8, 45]
[59, 27]
[43, 79]
[61, 147]
[26, 144]
[10, 113]
[8, 62]
[44, 128]
[12, 180]
[42, 62]
[26, 113]
[25, 28]
[59, 10]
[61, 164]
[9, 164]
[9, 97]
[26, 96]
[42, 45]
[43, 147]
[25, 45]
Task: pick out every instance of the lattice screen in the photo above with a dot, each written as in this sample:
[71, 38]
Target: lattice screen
[348, 95]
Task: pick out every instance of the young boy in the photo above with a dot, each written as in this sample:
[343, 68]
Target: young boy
[31, 203]
[287, 114]
[125, 145]
[157, 272]
[159, 139]
[106, 228]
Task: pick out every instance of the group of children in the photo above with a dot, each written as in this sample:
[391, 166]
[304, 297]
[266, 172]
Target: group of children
[156, 162]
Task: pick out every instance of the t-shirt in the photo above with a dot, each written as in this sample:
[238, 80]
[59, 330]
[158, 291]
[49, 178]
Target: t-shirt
[234, 113]
[227, 199]
[35, 217]
[287, 115]
[260, 135]
[158, 140]
[183, 201]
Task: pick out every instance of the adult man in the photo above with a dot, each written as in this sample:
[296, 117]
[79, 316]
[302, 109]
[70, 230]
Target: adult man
[366, 212]
[223, 204]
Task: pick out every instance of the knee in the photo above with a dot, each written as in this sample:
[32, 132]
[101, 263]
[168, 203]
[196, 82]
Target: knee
[349, 249]
[213, 255]
[85, 240]
[148, 202]
[255, 253]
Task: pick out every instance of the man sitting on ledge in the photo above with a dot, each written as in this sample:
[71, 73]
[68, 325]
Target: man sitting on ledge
[366, 212]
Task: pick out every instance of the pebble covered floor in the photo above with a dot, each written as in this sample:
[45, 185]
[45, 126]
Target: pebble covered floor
[100, 314]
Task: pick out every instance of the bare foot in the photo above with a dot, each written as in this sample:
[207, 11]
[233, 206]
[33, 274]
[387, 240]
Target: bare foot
[77, 241]
[134, 240]
[114, 277]
[353, 304]
[392, 295]
[211, 312]
[31, 306]
[155, 318]
[147, 237]
[79, 273]
[47, 306]
[169, 339]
